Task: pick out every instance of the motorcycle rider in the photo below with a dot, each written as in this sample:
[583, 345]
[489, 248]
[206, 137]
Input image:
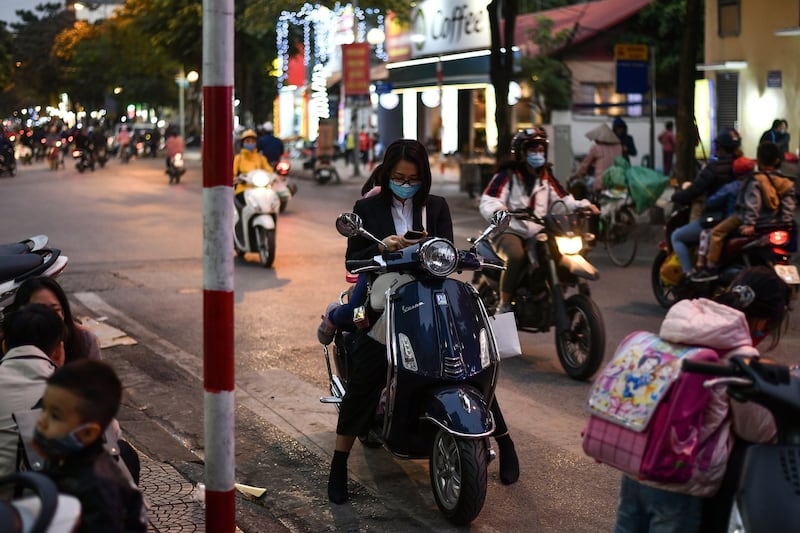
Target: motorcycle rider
[405, 180]
[270, 146]
[174, 144]
[526, 181]
[246, 160]
[718, 172]
[123, 140]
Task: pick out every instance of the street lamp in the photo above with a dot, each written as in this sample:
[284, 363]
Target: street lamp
[183, 81]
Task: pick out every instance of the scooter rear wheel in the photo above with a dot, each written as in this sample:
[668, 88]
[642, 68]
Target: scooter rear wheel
[665, 294]
[458, 476]
[580, 348]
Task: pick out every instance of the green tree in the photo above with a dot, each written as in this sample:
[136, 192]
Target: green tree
[549, 76]
[38, 76]
[6, 58]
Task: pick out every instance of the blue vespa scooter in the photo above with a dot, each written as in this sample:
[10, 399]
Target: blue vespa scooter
[442, 359]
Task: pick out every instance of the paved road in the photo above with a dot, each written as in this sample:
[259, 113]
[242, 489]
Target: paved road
[135, 256]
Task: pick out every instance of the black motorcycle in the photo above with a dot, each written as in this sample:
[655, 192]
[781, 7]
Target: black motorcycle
[83, 159]
[443, 364]
[175, 168]
[771, 245]
[768, 497]
[540, 301]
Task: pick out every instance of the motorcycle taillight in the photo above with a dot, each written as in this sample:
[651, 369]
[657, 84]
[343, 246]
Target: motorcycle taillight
[779, 237]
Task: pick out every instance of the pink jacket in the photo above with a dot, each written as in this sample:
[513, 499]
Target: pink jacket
[602, 156]
[703, 322]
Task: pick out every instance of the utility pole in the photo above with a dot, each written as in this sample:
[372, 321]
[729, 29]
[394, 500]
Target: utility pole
[218, 373]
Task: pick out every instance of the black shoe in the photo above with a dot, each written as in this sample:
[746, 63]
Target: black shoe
[509, 463]
[705, 274]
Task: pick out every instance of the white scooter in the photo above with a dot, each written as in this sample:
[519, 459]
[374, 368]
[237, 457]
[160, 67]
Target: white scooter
[254, 222]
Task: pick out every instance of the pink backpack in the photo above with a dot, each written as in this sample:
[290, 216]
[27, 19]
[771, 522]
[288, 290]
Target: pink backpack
[646, 415]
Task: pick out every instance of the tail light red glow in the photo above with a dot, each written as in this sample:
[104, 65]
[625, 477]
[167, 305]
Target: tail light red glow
[778, 238]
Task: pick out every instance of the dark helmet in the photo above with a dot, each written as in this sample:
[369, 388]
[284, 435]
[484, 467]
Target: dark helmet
[729, 139]
[526, 138]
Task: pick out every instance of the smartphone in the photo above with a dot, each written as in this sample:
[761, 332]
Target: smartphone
[412, 235]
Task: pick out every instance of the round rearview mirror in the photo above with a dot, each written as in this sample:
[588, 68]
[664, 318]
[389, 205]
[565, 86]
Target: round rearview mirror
[348, 224]
[500, 220]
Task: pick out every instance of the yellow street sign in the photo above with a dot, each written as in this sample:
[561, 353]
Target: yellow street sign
[630, 52]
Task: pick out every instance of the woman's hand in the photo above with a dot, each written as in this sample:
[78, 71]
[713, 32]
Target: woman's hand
[398, 242]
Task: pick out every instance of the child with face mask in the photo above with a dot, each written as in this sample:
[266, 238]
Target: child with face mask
[79, 402]
[526, 182]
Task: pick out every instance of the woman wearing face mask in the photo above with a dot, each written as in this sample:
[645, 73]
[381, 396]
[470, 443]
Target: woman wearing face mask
[248, 159]
[527, 181]
[404, 203]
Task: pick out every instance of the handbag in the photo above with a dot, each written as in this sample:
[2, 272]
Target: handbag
[506, 337]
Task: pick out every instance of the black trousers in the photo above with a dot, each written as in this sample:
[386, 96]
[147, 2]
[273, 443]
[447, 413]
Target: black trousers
[366, 379]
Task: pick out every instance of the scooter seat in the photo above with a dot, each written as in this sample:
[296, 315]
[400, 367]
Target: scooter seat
[13, 266]
[14, 248]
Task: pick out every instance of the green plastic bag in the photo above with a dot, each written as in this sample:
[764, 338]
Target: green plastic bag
[645, 186]
[614, 176]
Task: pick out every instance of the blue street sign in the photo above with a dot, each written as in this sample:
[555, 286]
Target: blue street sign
[383, 87]
[632, 77]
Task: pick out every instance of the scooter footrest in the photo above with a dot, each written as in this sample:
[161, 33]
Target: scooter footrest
[330, 399]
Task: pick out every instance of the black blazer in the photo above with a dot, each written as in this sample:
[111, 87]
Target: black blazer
[377, 218]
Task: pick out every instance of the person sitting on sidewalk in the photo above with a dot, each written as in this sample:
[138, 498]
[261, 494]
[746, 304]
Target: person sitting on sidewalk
[79, 402]
[766, 197]
[34, 341]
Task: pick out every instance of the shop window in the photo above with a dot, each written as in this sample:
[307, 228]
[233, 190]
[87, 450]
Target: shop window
[729, 12]
[599, 99]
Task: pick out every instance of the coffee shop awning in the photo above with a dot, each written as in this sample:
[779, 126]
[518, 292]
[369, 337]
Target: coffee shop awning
[455, 71]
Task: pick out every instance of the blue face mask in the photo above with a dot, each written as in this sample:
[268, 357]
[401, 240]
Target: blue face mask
[404, 191]
[54, 447]
[535, 160]
[249, 146]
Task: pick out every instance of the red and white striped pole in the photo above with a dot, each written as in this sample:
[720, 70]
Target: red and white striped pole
[217, 153]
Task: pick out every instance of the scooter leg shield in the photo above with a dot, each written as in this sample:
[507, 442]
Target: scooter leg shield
[460, 410]
[265, 221]
[769, 494]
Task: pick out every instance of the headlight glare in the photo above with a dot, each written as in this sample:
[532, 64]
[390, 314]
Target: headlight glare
[569, 245]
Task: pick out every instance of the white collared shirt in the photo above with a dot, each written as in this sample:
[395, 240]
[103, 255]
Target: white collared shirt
[402, 215]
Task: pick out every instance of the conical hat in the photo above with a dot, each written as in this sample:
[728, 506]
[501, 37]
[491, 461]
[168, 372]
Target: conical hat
[602, 134]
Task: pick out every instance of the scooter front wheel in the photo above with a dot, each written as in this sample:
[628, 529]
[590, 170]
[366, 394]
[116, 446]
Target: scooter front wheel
[458, 476]
[266, 245]
[580, 348]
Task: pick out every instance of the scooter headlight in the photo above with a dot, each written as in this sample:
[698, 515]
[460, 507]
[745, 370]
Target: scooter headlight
[439, 257]
[407, 352]
[483, 339]
[569, 245]
[260, 178]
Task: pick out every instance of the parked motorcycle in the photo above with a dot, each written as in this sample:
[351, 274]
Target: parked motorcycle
[256, 219]
[768, 497]
[175, 168]
[442, 361]
[540, 301]
[42, 509]
[83, 160]
[771, 245]
[25, 259]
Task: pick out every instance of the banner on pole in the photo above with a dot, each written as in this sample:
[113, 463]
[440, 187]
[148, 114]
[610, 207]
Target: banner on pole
[355, 60]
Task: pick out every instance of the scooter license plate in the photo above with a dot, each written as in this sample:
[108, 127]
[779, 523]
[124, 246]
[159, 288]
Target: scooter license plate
[788, 273]
[324, 173]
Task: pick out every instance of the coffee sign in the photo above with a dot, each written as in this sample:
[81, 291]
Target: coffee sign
[449, 26]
